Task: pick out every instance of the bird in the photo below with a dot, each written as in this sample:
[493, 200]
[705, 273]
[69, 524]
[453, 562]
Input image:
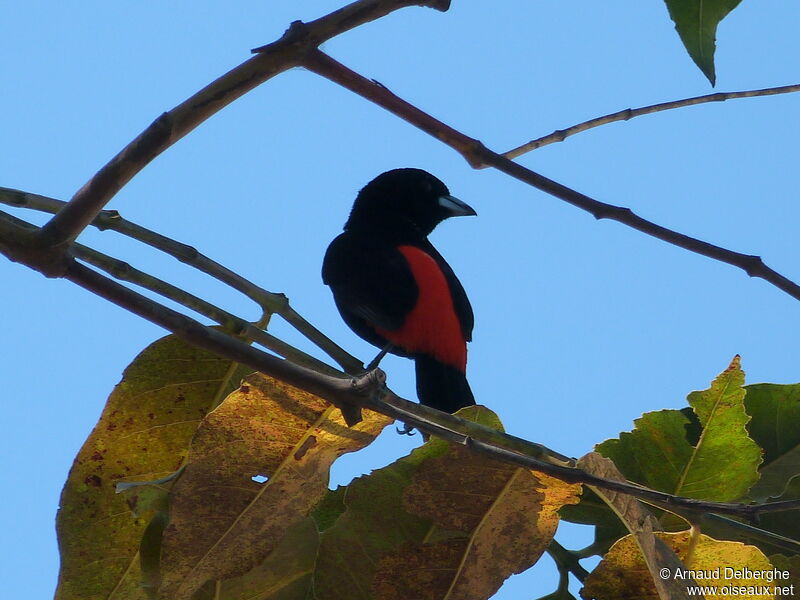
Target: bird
[394, 289]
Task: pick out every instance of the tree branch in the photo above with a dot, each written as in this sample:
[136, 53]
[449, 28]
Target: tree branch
[268, 301]
[234, 325]
[477, 155]
[629, 113]
[171, 126]
[47, 250]
[369, 391]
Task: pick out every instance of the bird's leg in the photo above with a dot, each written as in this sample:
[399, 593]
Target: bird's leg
[377, 360]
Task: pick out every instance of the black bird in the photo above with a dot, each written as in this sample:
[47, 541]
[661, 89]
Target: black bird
[395, 290]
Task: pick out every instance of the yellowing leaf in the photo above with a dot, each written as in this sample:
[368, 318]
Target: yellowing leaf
[507, 532]
[622, 573]
[222, 522]
[285, 574]
[442, 522]
[490, 520]
[143, 434]
[373, 522]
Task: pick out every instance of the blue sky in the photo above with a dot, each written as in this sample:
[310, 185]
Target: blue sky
[581, 326]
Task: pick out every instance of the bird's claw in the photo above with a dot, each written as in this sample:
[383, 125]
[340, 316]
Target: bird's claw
[406, 430]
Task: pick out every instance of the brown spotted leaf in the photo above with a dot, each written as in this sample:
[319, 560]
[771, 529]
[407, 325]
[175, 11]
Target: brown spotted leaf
[222, 522]
[623, 575]
[143, 434]
[489, 520]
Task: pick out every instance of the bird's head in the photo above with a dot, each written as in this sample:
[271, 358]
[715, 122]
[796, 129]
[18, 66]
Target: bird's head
[405, 202]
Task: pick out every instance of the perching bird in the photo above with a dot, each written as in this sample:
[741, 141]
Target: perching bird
[396, 291]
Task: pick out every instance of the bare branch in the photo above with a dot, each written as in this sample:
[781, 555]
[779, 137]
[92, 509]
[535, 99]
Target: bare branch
[47, 250]
[369, 391]
[623, 115]
[173, 125]
[268, 301]
[234, 325]
[477, 155]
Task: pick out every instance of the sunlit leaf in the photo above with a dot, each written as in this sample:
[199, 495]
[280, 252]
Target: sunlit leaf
[722, 463]
[622, 574]
[222, 522]
[509, 517]
[143, 434]
[775, 426]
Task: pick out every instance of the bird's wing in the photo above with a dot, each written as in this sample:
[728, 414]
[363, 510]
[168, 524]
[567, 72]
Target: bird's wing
[370, 281]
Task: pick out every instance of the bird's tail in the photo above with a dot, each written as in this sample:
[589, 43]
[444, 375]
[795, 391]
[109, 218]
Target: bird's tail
[442, 386]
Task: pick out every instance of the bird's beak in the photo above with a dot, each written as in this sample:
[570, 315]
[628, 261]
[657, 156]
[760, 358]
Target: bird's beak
[456, 208]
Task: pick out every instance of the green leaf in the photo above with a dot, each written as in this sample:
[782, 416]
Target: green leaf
[655, 453]
[775, 426]
[792, 565]
[330, 508]
[785, 523]
[622, 573]
[150, 553]
[775, 417]
[696, 22]
[143, 434]
[722, 463]
[724, 452]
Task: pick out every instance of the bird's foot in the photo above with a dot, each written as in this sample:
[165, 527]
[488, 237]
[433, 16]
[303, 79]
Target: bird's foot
[406, 430]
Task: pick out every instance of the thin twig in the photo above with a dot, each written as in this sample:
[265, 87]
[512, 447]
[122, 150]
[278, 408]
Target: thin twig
[231, 323]
[477, 155]
[268, 301]
[623, 115]
[173, 125]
